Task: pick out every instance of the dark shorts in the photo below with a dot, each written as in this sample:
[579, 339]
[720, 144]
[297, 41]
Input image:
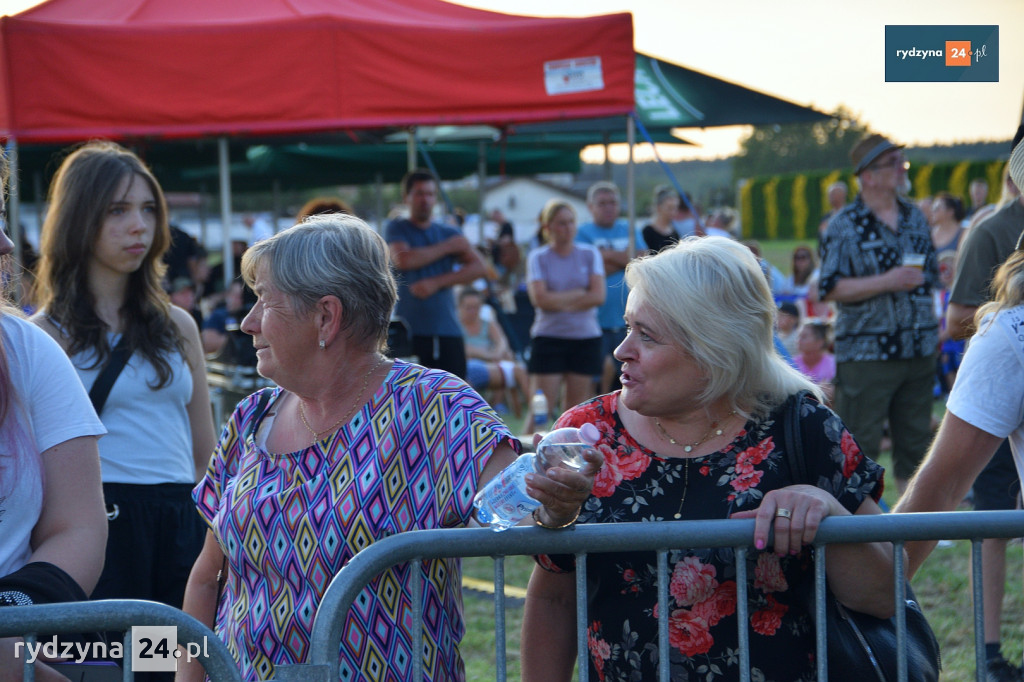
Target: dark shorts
[441, 352]
[998, 485]
[560, 356]
[154, 537]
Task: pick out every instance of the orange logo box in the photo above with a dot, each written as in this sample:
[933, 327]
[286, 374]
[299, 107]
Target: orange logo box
[958, 53]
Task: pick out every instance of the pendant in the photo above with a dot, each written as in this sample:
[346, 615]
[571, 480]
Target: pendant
[677, 515]
[688, 448]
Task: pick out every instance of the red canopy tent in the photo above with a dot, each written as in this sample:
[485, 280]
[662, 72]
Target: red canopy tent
[74, 69]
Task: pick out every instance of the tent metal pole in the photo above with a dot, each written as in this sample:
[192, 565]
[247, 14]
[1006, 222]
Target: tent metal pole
[225, 210]
[14, 206]
[40, 198]
[378, 200]
[631, 187]
[607, 156]
[481, 171]
[203, 234]
[410, 150]
[275, 202]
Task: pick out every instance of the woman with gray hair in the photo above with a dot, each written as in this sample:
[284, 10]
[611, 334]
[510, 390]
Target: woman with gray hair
[697, 433]
[350, 448]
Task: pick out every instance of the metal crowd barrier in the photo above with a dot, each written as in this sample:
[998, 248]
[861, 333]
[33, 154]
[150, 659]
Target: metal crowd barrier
[228, 385]
[582, 540]
[118, 614]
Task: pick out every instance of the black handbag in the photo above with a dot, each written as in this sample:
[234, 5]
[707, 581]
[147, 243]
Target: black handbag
[862, 648]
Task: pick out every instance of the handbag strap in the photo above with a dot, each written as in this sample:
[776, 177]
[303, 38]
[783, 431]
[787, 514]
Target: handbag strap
[792, 440]
[108, 375]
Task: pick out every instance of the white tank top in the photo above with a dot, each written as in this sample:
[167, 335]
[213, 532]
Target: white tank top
[149, 437]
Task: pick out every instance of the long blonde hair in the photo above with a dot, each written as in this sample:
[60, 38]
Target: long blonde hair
[1007, 288]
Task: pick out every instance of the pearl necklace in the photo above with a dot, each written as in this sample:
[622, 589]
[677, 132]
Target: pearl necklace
[351, 411]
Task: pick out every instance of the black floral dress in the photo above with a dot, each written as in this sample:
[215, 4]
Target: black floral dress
[636, 484]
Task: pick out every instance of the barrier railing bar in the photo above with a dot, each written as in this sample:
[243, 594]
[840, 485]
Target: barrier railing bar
[120, 614]
[29, 674]
[664, 670]
[499, 616]
[624, 537]
[582, 650]
[742, 612]
[900, 589]
[127, 674]
[820, 636]
[417, 575]
[981, 672]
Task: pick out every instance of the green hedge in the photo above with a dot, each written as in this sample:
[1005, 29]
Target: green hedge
[791, 206]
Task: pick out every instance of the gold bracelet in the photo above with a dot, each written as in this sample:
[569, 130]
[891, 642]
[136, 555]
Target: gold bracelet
[536, 519]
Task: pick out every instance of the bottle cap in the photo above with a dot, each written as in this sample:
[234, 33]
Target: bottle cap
[590, 434]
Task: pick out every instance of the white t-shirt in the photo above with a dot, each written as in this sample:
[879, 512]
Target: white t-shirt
[989, 389]
[49, 407]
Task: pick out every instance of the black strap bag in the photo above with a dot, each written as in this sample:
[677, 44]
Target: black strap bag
[862, 648]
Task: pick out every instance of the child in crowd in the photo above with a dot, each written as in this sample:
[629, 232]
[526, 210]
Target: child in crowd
[813, 357]
[789, 326]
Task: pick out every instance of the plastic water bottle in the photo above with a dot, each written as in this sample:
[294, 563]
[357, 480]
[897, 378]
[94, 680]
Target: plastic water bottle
[539, 407]
[503, 502]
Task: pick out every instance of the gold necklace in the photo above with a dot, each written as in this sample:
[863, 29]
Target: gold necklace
[348, 415]
[689, 448]
[686, 487]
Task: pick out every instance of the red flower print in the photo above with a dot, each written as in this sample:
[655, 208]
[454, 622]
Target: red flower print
[721, 604]
[633, 465]
[852, 456]
[768, 620]
[692, 581]
[768, 575]
[600, 650]
[618, 466]
[704, 470]
[629, 575]
[754, 455]
[689, 633]
[746, 480]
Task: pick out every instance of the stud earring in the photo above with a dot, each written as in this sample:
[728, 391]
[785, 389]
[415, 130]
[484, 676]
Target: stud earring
[323, 344]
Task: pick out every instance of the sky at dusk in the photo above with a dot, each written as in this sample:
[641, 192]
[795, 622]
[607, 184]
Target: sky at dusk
[816, 53]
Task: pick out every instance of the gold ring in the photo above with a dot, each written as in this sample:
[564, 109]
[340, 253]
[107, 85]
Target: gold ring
[783, 513]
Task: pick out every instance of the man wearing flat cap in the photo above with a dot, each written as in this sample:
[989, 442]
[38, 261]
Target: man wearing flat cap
[879, 266]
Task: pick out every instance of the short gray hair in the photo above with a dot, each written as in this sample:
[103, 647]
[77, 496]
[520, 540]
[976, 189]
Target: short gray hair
[716, 305]
[332, 255]
[602, 186]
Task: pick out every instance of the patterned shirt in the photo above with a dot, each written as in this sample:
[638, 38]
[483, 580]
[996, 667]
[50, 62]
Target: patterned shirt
[410, 459]
[891, 325]
[637, 484]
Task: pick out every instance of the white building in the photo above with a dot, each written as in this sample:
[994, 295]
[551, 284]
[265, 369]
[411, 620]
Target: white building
[521, 199]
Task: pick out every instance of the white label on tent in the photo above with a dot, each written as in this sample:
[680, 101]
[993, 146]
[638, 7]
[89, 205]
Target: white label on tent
[573, 75]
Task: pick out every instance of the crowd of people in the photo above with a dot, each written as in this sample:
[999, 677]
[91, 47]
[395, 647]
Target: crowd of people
[682, 345]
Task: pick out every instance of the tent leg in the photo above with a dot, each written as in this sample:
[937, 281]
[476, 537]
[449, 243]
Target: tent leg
[202, 215]
[14, 207]
[481, 171]
[410, 150]
[631, 187]
[275, 201]
[39, 203]
[607, 157]
[378, 200]
[225, 210]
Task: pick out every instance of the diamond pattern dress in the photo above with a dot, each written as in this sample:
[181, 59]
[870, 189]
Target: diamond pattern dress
[409, 459]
